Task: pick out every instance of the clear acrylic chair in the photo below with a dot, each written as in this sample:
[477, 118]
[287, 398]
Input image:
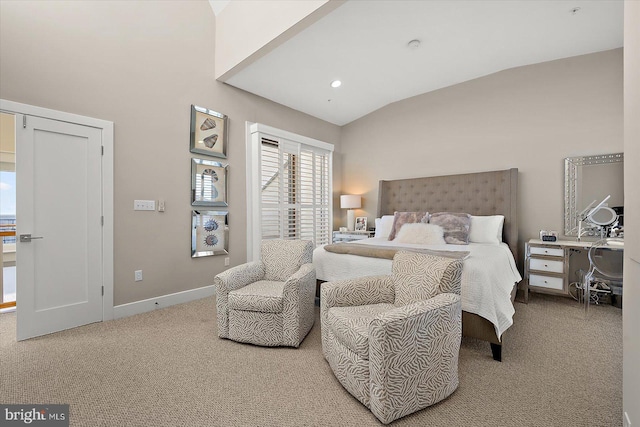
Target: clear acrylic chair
[605, 266]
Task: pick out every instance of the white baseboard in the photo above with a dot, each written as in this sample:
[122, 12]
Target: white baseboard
[138, 307]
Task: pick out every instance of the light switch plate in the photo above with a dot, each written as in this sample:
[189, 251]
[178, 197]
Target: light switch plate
[144, 205]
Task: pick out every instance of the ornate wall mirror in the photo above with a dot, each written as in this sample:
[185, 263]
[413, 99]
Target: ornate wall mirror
[588, 179]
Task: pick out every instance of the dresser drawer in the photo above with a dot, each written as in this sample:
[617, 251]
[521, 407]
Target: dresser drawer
[546, 265]
[348, 237]
[546, 282]
[546, 251]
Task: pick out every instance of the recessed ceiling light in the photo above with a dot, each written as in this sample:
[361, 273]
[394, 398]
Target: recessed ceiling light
[414, 44]
[336, 83]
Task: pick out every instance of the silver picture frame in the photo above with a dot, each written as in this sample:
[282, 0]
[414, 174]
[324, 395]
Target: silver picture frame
[209, 133]
[209, 233]
[361, 223]
[209, 183]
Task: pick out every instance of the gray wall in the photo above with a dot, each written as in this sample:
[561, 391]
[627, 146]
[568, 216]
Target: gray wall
[141, 65]
[529, 117]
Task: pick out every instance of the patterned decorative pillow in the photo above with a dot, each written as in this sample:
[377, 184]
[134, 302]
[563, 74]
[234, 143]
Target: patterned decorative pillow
[401, 218]
[456, 226]
[418, 276]
[422, 234]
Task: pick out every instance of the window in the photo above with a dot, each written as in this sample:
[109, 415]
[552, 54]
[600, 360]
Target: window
[8, 179]
[289, 188]
[8, 205]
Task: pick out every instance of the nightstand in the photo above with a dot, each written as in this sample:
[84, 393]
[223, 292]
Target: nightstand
[350, 236]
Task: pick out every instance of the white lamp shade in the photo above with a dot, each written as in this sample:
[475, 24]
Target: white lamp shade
[350, 201]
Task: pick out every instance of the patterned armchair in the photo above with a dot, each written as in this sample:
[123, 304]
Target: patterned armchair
[393, 341]
[270, 302]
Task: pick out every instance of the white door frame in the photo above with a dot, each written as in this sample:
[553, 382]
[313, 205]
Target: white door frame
[106, 128]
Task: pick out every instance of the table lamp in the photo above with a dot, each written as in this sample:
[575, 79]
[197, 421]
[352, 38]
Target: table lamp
[350, 202]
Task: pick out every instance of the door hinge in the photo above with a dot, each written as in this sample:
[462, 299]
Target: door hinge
[102, 220]
[102, 146]
[103, 291]
[24, 122]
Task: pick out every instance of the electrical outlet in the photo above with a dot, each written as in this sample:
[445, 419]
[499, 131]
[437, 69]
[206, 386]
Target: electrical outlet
[226, 262]
[138, 275]
[161, 205]
[144, 205]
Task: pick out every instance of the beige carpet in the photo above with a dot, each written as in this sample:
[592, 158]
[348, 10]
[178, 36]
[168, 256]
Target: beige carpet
[168, 368]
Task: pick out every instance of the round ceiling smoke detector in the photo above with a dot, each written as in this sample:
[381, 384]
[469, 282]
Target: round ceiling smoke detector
[414, 44]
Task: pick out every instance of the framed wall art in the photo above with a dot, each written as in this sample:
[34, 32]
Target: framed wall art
[208, 183]
[209, 233]
[361, 223]
[208, 132]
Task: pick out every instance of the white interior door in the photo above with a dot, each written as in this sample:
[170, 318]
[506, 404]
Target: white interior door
[59, 204]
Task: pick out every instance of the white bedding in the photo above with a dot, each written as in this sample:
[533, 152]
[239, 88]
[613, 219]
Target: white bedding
[488, 275]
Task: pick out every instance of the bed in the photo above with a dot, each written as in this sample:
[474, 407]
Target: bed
[487, 295]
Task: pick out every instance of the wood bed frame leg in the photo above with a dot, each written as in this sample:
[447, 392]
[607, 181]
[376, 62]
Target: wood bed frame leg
[496, 350]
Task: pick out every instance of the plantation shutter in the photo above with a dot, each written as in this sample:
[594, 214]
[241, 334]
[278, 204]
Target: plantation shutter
[270, 189]
[315, 194]
[295, 191]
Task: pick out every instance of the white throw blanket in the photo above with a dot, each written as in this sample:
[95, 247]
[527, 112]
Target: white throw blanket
[488, 275]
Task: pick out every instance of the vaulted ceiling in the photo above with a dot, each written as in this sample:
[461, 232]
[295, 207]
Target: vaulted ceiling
[366, 45]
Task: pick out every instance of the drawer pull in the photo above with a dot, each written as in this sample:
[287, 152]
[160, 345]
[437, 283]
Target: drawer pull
[546, 265]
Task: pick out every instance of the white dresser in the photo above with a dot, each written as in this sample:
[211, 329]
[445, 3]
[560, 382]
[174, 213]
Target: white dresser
[546, 265]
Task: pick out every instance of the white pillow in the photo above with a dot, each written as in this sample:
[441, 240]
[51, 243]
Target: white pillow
[384, 226]
[419, 233]
[486, 229]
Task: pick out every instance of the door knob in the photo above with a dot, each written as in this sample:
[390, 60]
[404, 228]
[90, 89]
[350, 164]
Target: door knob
[26, 238]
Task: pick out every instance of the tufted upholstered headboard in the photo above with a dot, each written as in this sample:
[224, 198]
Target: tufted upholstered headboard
[482, 193]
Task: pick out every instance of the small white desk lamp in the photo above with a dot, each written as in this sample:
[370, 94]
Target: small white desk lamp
[350, 202]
